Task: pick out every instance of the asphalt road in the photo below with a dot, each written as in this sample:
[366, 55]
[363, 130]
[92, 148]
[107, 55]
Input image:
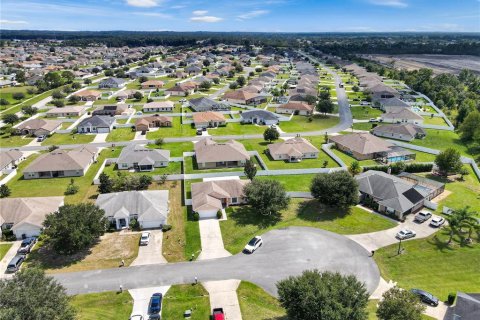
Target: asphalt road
[285, 252]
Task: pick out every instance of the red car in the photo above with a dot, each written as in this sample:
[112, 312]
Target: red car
[218, 314]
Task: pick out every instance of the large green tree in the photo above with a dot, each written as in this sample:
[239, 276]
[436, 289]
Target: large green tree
[266, 196]
[470, 128]
[270, 134]
[448, 161]
[31, 295]
[250, 169]
[316, 295]
[10, 118]
[335, 189]
[399, 304]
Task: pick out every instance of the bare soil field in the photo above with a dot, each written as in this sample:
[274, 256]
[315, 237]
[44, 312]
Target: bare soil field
[439, 63]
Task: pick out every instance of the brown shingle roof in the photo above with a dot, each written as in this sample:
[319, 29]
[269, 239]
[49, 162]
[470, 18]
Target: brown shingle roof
[207, 150]
[362, 142]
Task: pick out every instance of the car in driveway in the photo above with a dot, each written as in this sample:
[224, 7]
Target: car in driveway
[422, 216]
[425, 297]
[405, 234]
[136, 317]
[15, 263]
[145, 238]
[27, 245]
[155, 305]
[41, 138]
[437, 222]
[218, 314]
[253, 244]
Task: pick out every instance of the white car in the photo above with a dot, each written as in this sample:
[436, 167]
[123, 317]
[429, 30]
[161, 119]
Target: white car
[253, 244]
[437, 222]
[145, 238]
[405, 234]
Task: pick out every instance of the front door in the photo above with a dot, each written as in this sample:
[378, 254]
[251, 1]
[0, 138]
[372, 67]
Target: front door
[122, 223]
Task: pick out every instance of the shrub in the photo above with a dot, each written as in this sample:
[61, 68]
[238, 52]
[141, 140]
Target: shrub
[219, 214]
[134, 225]
[411, 168]
[451, 298]
[196, 216]
[8, 235]
[166, 227]
[71, 189]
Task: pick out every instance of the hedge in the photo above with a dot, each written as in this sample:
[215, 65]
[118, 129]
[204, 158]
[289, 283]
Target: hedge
[396, 169]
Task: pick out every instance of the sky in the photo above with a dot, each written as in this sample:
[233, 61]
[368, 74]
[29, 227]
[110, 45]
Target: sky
[243, 15]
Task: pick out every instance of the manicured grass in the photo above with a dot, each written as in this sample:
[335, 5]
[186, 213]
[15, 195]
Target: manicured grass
[121, 121]
[4, 247]
[66, 125]
[437, 121]
[432, 265]
[186, 297]
[302, 123]
[441, 140]
[7, 93]
[367, 126]
[172, 168]
[176, 148]
[372, 311]
[363, 113]
[121, 134]
[7, 140]
[188, 186]
[244, 222]
[177, 130]
[349, 159]
[422, 156]
[294, 182]
[236, 128]
[68, 138]
[256, 304]
[103, 306]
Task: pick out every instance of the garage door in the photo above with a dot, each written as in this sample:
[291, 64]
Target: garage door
[27, 232]
[103, 130]
[207, 214]
[151, 224]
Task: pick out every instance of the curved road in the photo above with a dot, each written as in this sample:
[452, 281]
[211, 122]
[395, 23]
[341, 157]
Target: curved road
[286, 252]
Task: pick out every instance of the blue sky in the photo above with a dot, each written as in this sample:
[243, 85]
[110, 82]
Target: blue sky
[242, 15]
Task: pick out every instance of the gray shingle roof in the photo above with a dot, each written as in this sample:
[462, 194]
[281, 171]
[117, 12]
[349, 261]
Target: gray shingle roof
[263, 114]
[97, 121]
[142, 155]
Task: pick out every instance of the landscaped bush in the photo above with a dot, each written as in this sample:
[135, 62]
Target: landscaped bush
[134, 225]
[166, 227]
[196, 216]
[219, 214]
[411, 168]
[451, 298]
[7, 235]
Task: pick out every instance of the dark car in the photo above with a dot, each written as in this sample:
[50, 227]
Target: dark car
[27, 245]
[426, 297]
[155, 306]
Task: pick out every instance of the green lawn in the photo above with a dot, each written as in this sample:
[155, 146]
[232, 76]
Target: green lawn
[363, 113]
[103, 306]
[7, 140]
[432, 265]
[121, 134]
[176, 148]
[302, 123]
[4, 247]
[236, 128]
[243, 223]
[256, 304]
[437, 121]
[6, 93]
[441, 140]
[293, 182]
[68, 138]
[372, 311]
[367, 126]
[172, 168]
[188, 186]
[186, 297]
[191, 167]
[177, 130]
[349, 159]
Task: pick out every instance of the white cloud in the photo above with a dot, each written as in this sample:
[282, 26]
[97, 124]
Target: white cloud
[209, 19]
[252, 14]
[13, 22]
[178, 6]
[390, 3]
[199, 12]
[154, 14]
[143, 3]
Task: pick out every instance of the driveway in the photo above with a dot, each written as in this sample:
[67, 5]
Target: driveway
[285, 252]
[141, 299]
[211, 238]
[151, 253]
[100, 137]
[6, 259]
[223, 294]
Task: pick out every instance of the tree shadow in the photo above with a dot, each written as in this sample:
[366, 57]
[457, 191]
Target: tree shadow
[246, 215]
[314, 211]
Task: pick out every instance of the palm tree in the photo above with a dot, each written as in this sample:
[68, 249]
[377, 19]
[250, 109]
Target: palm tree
[454, 223]
[467, 219]
[354, 168]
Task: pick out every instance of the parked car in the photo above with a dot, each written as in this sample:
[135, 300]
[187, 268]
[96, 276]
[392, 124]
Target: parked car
[41, 138]
[199, 132]
[15, 263]
[254, 244]
[426, 297]
[218, 314]
[437, 222]
[422, 216]
[373, 120]
[405, 234]
[155, 305]
[145, 238]
[27, 245]
[136, 317]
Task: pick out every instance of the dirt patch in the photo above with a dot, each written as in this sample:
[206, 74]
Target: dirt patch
[441, 196]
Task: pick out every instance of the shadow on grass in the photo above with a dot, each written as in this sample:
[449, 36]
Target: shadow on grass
[245, 215]
[314, 211]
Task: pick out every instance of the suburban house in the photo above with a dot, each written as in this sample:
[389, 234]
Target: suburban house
[25, 216]
[111, 83]
[88, 95]
[208, 119]
[152, 84]
[210, 154]
[125, 94]
[10, 159]
[398, 115]
[211, 196]
[244, 97]
[162, 106]
[155, 121]
[467, 307]
[62, 163]
[142, 159]
[206, 104]
[259, 117]
[293, 150]
[149, 208]
[112, 110]
[38, 127]
[96, 124]
[364, 146]
[405, 132]
[296, 108]
[394, 195]
[181, 89]
[67, 111]
[387, 104]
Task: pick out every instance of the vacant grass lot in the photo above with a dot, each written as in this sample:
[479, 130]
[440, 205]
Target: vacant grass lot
[176, 148]
[441, 140]
[244, 222]
[256, 304]
[235, 128]
[103, 306]
[363, 113]
[6, 93]
[4, 247]
[302, 123]
[121, 134]
[176, 130]
[437, 121]
[294, 182]
[186, 297]
[68, 138]
[367, 126]
[172, 168]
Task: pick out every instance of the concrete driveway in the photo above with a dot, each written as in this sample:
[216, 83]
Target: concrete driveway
[100, 137]
[211, 238]
[151, 253]
[141, 299]
[285, 252]
[6, 259]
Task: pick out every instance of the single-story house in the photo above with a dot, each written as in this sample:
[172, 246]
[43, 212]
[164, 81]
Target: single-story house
[405, 132]
[386, 104]
[161, 106]
[293, 150]
[112, 83]
[210, 154]
[96, 124]
[38, 127]
[10, 159]
[393, 195]
[67, 111]
[467, 307]
[88, 95]
[405, 115]
[208, 119]
[245, 97]
[62, 163]
[152, 84]
[142, 159]
[206, 104]
[211, 196]
[112, 110]
[259, 117]
[297, 108]
[181, 89]
[126, 94]
[155, 121]
[25, 216]
[149, 208]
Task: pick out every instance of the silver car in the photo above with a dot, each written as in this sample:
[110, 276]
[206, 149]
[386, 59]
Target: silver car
[405, 234]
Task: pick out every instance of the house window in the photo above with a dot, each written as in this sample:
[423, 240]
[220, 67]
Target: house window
[234, 200]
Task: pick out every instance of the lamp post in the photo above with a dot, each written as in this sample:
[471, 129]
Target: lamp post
[399, 246]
